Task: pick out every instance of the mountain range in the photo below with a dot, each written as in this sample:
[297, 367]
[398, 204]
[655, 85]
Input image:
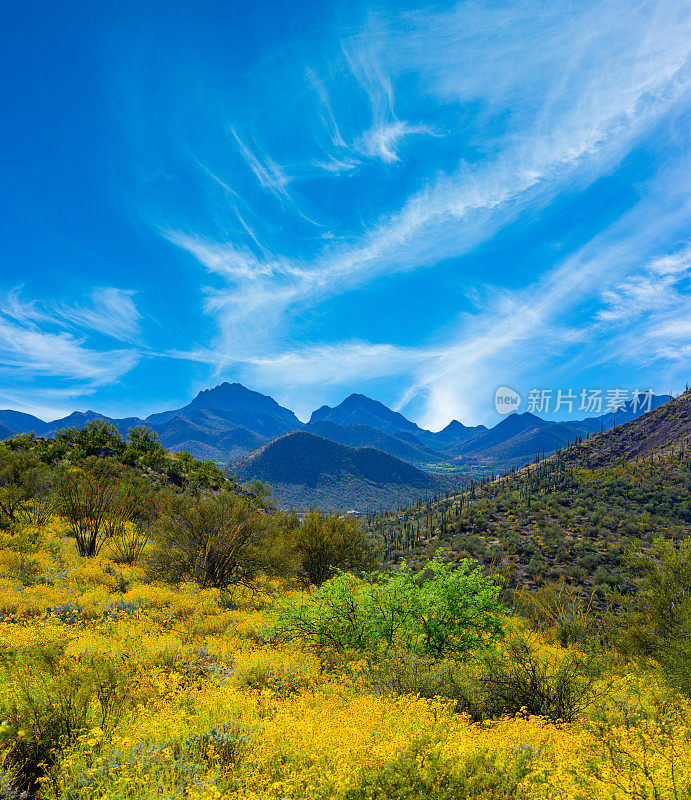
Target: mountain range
[359, 453]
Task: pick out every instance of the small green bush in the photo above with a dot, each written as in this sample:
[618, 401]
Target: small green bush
[277, 678]
[25, 490]
[225, 747]
[87, 497]
[58, 699]
[659, 626]
[328, 543]
[518, 679]
[513, 679]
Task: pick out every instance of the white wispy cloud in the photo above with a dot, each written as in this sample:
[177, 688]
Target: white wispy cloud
[583, 122]
[112, 312]
[39, 339]
[269, 174]
[326, 108]
[650, 311]
[335, 165]
[539, 100]
[335, 364]
[552, 326]
[383, 138]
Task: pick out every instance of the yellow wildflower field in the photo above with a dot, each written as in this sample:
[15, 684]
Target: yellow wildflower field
[171, 692]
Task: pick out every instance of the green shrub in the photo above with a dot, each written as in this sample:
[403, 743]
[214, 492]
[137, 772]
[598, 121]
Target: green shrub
[328, 543]
[87, 497]
[512, 680]
[659, 626]
[277, 678]
[96, 436]
[448, 610]
[225, 747]
[25, 489]
[58, 699]
[144, 448]
[560, 611]
[217, 541]
[518, 679]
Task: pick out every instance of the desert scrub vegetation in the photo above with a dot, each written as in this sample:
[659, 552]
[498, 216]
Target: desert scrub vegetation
[327, 543]
[116, 685]
[448, 610]
[218, 541]
[167, 672]
[560, 518]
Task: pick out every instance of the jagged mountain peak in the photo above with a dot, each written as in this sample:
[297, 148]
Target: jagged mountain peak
[233, 396]
[358, 409]
[239, 405]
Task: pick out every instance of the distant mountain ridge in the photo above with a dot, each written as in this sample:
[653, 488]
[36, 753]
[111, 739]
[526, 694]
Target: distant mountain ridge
[411, 450]
[513, 425]
[229, 422]
[454, 433]
[239, 406]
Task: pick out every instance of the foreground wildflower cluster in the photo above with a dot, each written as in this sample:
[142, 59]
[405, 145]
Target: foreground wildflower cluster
[147, 691]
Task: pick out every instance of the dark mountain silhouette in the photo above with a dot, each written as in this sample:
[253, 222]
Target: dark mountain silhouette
[19, 422]
[77, 419]
[305, 469]
[364, 436]
[5, 433]
[239, 406]
[357, 409]
[510, 426]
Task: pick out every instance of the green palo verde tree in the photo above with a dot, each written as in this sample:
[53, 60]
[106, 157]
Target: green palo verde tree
[659, 627]
[325, 544]
[448, 610]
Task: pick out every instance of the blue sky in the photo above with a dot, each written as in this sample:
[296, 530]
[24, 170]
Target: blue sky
[421, 203]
